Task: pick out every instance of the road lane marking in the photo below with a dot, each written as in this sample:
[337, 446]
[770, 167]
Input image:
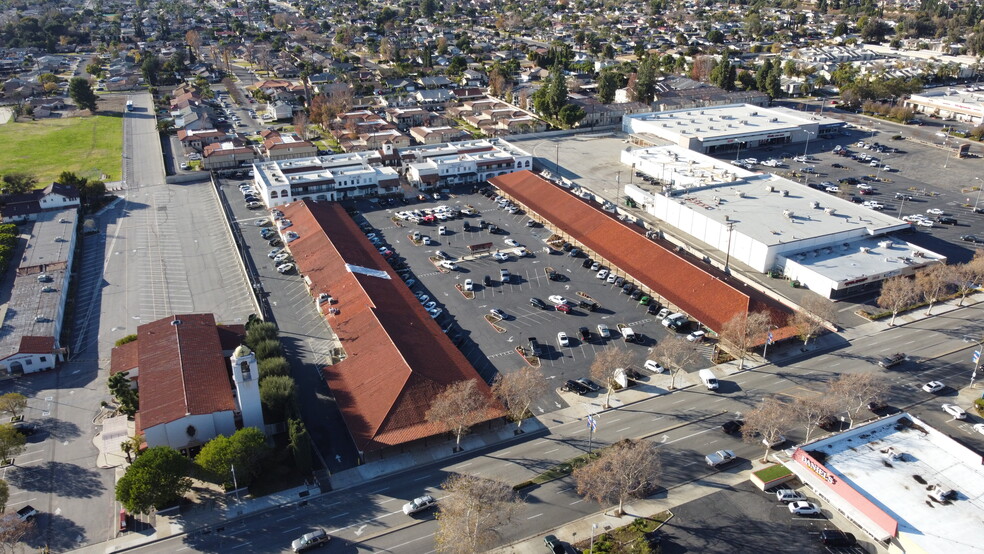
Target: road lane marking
[576, 502]
[291, 530]
[536, 516]
[549, 451]
[623, 429]
[338, 515]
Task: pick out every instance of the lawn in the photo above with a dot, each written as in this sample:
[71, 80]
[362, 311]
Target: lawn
[88, 146]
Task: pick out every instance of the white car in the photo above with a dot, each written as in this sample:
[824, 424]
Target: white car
[430, 305]
[562, 339]
[803, 508]
[654, 366]
[273, 253]
[611, 278]
[500, 256]
[979, 427]
[924, 223]
[436, 312]
[426, 240]
[933, 386]
[419, 504]
[602, 274]
[285, 268]
[956, 411]
[282, 257]
[696, 336]
[780, 439]
[498, 313]
[447, 264]
[873, 205]
[934, 211]
[557, 299]
[603, 331]
[512, 242]
[442, 230]
[469, 284]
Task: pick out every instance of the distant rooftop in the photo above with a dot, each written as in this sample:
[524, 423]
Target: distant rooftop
[715, 122]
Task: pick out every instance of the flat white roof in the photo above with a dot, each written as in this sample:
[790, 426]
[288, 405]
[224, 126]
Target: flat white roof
[773, 210]
[863, 457]
[717, 122]
[860, 260]
[682, 167]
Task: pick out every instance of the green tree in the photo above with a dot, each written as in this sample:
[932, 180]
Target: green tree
[607, 85]
[156, 479]
[645, 85]
[570, 115]
[840, 29]
[300, 446]
[273, 367]
[260, 331]
[244, 450]
[16, 182]
[11, 441]
[278, 395]
[13, 403]
[4, 494]
[268, 349]
[127, 397]
[151, 68]
[81, 93]
[557, 96]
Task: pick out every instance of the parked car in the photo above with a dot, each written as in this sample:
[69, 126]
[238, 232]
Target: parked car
[696, 336]
[933, 387]
[469, 285]
[803, 508]
[563, 308]
[553, 544]
[603, 331]
[654, 366]
[562, 339]
[602, 274]
[733, 426]
[589, 384]
[836, 537]
[285, 268]
[310, 540]
[583, 333]
[789, 495]
[557, 299]
[498, 313]
[575, 387]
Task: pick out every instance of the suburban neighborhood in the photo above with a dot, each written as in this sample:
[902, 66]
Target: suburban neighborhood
[414, 276]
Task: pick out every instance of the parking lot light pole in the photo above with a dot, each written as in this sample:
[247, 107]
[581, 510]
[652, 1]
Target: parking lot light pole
[900, 207]
[807, 147]
[979, 188]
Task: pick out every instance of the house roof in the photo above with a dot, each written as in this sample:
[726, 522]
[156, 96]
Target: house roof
[706, 294]
[182, 371]
[124, 357]
[36, 345]
[398, 359]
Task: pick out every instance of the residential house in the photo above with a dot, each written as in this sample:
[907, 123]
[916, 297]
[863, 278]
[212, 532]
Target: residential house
[435, 135]
[280, 110]
[28, 206]
[224, 155]
[286, 146]
[196, 141]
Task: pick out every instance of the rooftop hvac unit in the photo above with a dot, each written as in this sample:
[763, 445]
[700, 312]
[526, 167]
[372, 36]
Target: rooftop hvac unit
[885, 244]
[865, 250]
[774, 120]
[918, 254]
[784, 193]
[770, 188]
[788, 214]
[829, 211]
[727, 218]
[814, 204]
[744, 122]
[741, 194]
[754, 113]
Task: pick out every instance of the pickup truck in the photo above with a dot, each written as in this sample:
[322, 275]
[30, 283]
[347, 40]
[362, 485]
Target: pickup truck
[893, 360]
[553, 544]
[719, 458]
[27, 513]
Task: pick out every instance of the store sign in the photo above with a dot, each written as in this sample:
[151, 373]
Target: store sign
[818, 469]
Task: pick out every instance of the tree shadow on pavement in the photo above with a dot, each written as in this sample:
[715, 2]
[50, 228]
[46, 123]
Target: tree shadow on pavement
[58, 478]
[60, 429]
[55, 533]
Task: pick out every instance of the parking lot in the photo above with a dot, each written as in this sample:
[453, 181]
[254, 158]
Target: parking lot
[489, 350]
[921, 180]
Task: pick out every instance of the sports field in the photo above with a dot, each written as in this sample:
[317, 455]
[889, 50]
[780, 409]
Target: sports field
[88, 146]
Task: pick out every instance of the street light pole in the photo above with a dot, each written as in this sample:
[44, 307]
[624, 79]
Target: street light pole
[727, 257]
[557, 160]
[979, 188]
[593, 527]
[807, 147]
[900, 207]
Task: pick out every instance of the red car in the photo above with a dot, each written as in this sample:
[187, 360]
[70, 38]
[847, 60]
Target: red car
[563, 308]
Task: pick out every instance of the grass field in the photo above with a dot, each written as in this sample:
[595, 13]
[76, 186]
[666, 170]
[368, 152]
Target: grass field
[90, 147]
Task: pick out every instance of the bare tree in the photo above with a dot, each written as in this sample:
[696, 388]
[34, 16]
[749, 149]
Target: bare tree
[743, 332]
[12, 531]
[676, 353]
[853, 391]
[627, 469]
[13, 403]
[897, 294]
[811, 411]
[517, 390]
[194, 40]
[769, 420]
[967, 277]
[301, 124]
[471, 511]
[933, 284]
[605, 364]
[458, 407]
[810, 320]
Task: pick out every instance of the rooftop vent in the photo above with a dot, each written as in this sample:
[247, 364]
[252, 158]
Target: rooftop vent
[885, 244]
[741, 194]
[784, 193]
[829, 211]
[770, 188]
[814, 204]
[788, 214]
[176, 322]
[865, 250]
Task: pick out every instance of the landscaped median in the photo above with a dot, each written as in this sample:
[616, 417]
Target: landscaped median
[466, 293]
[639, 536]
[493, 320]
[533, 361]
[559, 471]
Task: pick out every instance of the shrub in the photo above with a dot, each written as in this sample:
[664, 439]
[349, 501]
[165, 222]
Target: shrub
[273, 366]
[260, 332]
[126, 339]
[267, 349]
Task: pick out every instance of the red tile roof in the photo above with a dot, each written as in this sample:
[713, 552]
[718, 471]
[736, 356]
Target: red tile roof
[231, 336]
[124, 358]
[36, 345]
[705, 293]
[398, 357]
[182, 370]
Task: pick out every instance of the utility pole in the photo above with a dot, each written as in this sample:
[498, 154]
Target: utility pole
[727, 257]
[592, 427]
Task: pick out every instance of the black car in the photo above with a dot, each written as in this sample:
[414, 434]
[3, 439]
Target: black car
[903, 196]
[537, 303]
[971, 238]
[587, 305]
[587, 263]
[732, 427]
[575, 387]
[26, 428]
[946, 220]
[619, 282]
[848, 181]
[566, 247]
[575, 252]
[627, 288]
[554, 276]
[275, 242]
[487, 281]
[584, 333]
[654, 308]
[836, 537]
[632, 374]
[636, 294]
[829, 423]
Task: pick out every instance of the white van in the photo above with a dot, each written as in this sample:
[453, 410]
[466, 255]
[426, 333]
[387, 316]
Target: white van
[707, 377]
[672, 319]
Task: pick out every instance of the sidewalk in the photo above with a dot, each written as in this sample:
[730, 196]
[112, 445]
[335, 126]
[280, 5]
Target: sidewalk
[216, 510]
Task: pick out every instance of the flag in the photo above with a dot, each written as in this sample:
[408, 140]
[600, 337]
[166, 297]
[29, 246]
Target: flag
[592, 424]
[770, 337]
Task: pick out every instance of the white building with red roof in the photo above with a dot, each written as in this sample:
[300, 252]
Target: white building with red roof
[190, 392]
